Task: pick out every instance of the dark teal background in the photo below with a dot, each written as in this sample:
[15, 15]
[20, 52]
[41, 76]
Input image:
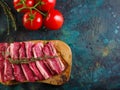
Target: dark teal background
[92, 30]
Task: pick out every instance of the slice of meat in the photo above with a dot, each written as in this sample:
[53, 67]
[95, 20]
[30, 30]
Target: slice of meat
[47, 61]
[3, 47]
[28, 47]
[52, 62]
[55, 63]
[14, 54]
[25, 67]
[37, 51]
[32, 65]
[48, 66]
[8, 71]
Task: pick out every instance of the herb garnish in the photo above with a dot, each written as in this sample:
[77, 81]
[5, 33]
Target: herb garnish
[9, 15]
[26, 60]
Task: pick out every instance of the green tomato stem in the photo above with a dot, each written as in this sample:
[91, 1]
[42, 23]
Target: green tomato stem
[23, 1]
[31, 8]
[39, 11]
[18, 10]
[39, 3]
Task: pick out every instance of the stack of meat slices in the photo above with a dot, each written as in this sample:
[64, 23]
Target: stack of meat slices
[32, 71]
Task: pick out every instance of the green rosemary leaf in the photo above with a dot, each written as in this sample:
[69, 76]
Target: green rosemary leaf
[26, 60]
[9, 15]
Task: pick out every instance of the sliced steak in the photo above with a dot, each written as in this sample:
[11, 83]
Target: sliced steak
[37, 51]
[48, 62]
[56, 64]
[48, 66]
[52, 62]
[14, 54]
[25, 67]
[3, 47]
[8, 71]
[32, 65]
[54, 52]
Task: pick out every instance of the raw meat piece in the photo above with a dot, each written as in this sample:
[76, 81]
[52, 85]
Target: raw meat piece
[8, 71]
[56, 64]
[14, 53]
[3, 47]
[37, 51]
[32, 65]
[25, 67]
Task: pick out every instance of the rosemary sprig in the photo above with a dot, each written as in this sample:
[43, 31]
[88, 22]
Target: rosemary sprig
[26, 60]
[9, 16]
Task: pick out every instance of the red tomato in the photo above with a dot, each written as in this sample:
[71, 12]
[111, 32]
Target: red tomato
[54, 20]
[18, 4]
[32, 20]
[46, 5]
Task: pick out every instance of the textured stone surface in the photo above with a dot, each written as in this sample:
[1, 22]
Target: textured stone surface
[92, 29]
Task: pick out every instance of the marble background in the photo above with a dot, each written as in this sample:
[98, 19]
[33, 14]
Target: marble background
[92, 30]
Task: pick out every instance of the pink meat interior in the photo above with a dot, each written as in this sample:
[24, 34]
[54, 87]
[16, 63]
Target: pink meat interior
[32, 71]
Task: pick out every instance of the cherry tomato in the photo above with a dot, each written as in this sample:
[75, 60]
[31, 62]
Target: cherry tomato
[32, 20]
[46, 5]
[22, 4]
[54, 20]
